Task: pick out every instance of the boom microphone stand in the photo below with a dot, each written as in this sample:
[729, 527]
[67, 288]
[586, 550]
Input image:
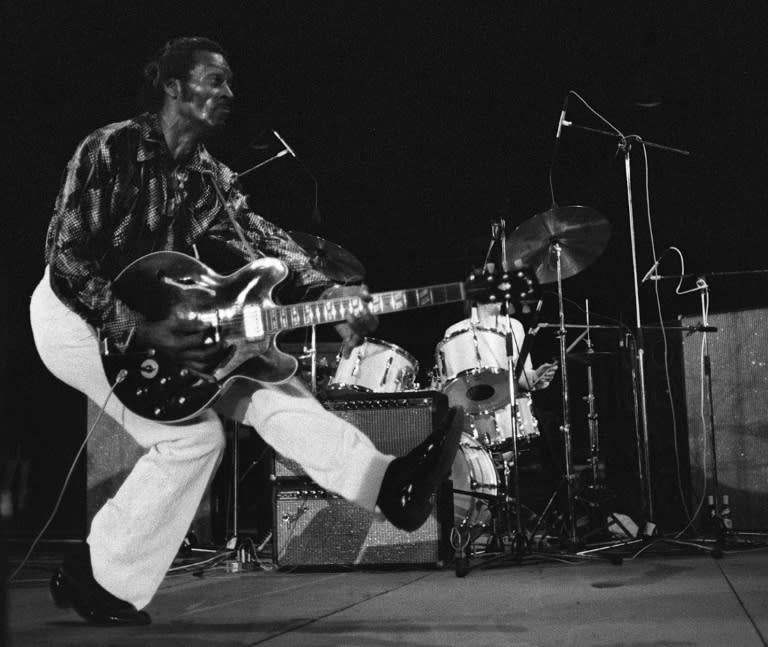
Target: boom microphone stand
[625, 146]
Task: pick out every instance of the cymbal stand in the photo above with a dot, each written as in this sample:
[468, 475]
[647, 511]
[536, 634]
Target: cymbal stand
[517, 536]
[592, 415]
[566, 427]
[519, 539]
[569, 479]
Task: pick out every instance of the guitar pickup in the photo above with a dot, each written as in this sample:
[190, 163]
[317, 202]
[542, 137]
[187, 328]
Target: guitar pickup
[253, 324]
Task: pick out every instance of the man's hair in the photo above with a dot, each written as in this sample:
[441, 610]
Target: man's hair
[174, 60]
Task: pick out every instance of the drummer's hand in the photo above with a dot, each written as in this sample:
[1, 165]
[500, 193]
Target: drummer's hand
[544, 375]
[359, 324]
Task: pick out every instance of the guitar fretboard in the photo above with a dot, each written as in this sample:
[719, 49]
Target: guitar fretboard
[334, 310]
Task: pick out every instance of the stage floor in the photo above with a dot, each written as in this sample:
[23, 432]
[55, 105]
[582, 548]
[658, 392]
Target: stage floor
[659, 598]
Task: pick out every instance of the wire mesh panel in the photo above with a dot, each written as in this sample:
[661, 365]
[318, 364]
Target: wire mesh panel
[738, 354]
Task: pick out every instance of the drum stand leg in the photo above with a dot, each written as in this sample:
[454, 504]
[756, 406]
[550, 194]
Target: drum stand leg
[569, 478]
[565, 522]
[595, 496]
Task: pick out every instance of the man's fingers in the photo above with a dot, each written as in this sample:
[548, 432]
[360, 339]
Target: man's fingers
[189, 342]
[205, 353]
[349, 338]
[180, 325]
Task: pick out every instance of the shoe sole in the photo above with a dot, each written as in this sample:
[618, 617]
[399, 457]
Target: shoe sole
[57, 593]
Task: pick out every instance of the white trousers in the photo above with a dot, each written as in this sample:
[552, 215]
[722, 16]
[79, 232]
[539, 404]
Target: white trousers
[135, 536]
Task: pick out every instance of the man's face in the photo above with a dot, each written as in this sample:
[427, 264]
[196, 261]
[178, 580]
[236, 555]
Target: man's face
[206, 96]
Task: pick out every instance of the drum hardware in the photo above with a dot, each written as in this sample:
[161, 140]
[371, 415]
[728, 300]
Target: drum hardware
[581, 326]
[337, 264]
[479, 385]
[581, 232]
[376, 366]
[560, 243]
[472, 363]
[596, 497]
[505, 508]
[519, 540]
[331, 259]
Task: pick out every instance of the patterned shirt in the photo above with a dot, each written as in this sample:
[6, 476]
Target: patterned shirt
[124, 196]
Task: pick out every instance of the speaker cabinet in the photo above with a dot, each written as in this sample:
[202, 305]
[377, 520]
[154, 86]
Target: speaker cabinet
[313, 528]
[111, 454]
[739, 365]
[395, 422]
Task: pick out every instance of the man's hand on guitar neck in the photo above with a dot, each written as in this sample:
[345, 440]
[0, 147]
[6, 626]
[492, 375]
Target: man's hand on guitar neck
[358, 325]
[186, 342]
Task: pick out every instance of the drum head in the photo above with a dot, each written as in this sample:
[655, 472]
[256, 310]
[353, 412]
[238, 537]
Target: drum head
[479, 391]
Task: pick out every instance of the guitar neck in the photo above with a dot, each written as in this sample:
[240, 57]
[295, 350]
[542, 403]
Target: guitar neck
[335, 310]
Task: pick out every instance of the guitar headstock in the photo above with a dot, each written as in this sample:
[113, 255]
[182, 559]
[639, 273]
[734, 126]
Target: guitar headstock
[518, 288]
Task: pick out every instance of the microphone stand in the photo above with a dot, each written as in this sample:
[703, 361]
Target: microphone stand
[519, 539]
[282, 153]
[625, 146]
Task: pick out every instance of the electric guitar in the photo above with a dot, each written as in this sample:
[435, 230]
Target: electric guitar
[239, 309]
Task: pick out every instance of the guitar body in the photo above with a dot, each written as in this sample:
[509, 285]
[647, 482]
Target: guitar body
[163, 283]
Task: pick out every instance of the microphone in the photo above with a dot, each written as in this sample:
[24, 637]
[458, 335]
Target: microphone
[316, 217]
[562, 122]
[284, 143]
[654, 266]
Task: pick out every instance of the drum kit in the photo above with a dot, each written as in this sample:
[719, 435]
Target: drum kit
[473, 369]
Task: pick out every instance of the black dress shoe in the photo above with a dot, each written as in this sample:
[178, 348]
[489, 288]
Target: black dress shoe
[73, 585]
[408, 489]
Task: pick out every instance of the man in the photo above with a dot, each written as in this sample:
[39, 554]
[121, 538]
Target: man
[149, 184]
[481, 343]
[492, 353]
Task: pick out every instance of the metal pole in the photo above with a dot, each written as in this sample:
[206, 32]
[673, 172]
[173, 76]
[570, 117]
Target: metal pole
[566, 428]
[640, 341]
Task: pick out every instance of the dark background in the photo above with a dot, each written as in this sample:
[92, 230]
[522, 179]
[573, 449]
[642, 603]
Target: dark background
[421, 122]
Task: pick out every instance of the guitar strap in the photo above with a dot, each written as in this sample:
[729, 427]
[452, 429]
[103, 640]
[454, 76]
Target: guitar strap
[230, 214]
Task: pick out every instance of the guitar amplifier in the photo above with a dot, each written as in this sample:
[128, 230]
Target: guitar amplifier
[317, 529]
[395, 422]
[313, 528]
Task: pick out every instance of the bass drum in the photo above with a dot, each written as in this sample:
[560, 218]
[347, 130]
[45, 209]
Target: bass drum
[376, 366]
[474, 479]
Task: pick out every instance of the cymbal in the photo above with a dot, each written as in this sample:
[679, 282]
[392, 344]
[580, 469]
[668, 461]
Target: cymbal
[329, 258]
[581, 232]
[590, 357]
